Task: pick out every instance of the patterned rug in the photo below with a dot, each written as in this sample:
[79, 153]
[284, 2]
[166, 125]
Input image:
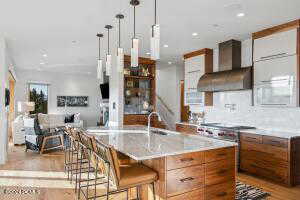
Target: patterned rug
[248, 192]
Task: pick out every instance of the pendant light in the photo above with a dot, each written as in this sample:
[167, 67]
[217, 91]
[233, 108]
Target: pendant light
[100, 61]
[120, 52]
[155, 36]
[135, 41]
[108, 55]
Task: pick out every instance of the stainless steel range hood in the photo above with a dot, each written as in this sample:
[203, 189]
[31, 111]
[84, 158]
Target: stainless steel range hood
[231, 76]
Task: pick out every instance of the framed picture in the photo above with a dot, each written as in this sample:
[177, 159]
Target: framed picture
[72, 101]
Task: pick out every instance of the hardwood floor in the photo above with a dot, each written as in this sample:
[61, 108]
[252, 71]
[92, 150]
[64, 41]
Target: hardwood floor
[30, 171]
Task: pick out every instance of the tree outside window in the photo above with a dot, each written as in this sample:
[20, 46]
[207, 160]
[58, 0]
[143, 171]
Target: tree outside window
[38, 93]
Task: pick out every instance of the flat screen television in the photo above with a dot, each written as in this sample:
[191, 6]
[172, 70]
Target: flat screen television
[104, 90]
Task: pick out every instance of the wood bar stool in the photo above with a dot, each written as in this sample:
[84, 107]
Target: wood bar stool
[123, 177]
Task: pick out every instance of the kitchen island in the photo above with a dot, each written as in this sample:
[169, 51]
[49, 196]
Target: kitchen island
[189, 166]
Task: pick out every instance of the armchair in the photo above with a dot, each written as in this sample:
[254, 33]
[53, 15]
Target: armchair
[40, 140]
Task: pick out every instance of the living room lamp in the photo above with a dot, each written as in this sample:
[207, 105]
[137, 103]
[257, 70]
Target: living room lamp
[26, 107]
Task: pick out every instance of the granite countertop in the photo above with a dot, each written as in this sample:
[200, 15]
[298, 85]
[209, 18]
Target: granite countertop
[273, 133]
[135, 142]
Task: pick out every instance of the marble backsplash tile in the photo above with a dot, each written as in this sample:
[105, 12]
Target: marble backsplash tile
[283, 119]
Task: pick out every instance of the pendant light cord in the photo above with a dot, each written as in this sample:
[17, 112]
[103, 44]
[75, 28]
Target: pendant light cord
[155, 12]
[99, 48]
[108, 40]
[119, 33]
[133, 21]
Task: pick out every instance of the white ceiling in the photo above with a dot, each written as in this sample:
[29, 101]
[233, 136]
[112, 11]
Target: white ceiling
[37, 27]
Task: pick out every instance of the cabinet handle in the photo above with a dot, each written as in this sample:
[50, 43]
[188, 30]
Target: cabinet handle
[186, 179]
[275, 55]
[194, 71]
[186, 159]
[221, 154]
[222, 194]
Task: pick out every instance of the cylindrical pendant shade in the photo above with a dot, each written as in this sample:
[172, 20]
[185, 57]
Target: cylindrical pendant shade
[100, 71]
[135, 53]
[120, 60]
[108, 64]
[155, 42]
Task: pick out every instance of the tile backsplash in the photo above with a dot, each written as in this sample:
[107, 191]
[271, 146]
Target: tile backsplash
[284, 119]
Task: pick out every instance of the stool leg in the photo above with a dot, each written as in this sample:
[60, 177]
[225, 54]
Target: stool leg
[137, 193]
[79, 181]
[153, 187]
[96, 171]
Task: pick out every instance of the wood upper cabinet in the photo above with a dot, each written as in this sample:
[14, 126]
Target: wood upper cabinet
[276, 45]
[197, 64]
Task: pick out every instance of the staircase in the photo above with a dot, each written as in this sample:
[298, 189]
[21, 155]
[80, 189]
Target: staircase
[166, 113]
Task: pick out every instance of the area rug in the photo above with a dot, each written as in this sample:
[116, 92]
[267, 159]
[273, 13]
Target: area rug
[248, 192]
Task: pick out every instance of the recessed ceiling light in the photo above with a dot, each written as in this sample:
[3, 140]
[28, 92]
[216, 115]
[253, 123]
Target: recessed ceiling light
[42, 63]
[170, 63]
[166, 46]
[148, 53]
[45, 55]
[240, 14]
[195, 34]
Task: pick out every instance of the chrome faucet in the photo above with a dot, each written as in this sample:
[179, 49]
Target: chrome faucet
[149, 120]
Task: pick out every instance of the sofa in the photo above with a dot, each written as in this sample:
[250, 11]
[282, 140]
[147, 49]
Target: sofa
[49, 121]
[46, 122]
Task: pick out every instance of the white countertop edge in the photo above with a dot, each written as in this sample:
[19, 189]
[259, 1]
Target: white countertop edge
[142, 158]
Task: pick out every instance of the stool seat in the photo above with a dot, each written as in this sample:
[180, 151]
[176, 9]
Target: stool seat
[135, 175]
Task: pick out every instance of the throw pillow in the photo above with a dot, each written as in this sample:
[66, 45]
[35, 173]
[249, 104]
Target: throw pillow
[77, 118]
[69, 119]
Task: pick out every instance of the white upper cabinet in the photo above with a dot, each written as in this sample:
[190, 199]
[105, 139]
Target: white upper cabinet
[275, 46]
[274, 69]
[195, 64]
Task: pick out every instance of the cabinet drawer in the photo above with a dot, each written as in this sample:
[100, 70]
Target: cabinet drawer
[184, 180]
[251, 138]
[194, 195]
[275, 141]
[265, 169]
[219, 172]
[222, 191]
[266, 150]
[185, 160]
[219, 154]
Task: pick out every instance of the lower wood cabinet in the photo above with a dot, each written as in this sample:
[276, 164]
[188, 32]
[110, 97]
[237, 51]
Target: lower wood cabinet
[205, 175]
[271, 157]
[142, 120]
[186, 128]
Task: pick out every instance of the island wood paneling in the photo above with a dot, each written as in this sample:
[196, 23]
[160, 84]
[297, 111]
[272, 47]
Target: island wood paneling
[214, 179]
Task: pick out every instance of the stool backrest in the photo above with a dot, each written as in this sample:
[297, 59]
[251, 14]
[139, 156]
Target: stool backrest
[106, 161]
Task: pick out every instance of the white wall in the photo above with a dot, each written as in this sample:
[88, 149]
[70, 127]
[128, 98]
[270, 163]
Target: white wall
[168, 85]
[4, 67]
[246, 114]
[64, 84]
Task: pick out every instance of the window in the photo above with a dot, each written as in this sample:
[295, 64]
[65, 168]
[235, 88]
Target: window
[38, 93]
